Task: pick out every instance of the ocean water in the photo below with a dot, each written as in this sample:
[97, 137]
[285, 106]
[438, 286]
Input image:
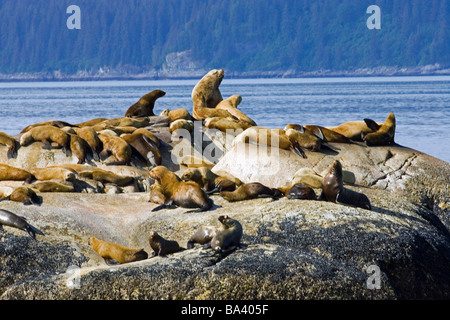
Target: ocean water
[421, 104]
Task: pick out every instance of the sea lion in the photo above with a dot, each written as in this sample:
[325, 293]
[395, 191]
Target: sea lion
[89, 135]
[15, 174]
[269, 137]
[114, 253]
[145, 147]
[54, 123]
[352, 129]
[11, 143]
[53, 172]
[90, 123]
[162, 247]
[300, 191]
[25, 195]
[307, 176]
[333, 189]
[144, 106]
[382, 135]
[177, 114]
[209, 181]
[7, 218]
[150, 135]
[250, 190]
[105, 176]
[203, 235]
[304, 139]
[156, 195]
[186, 194]
[122, 122]
[230, 126]
[52, 186]
[208, 88]
[47, 134]
[327, 134]
[201, 111]
[116, 146]
[230, 104]
[229, 238]
[181, 124]
[80, 148]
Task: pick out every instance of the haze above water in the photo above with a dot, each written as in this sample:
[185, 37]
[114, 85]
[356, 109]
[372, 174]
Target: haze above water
[421, 104]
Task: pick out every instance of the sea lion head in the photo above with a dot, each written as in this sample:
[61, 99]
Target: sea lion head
[332, 181]
[157, 172]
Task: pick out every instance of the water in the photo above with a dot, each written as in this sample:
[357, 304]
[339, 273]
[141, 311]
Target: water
[421, 104]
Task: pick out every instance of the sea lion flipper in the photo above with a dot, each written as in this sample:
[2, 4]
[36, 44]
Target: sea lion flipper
[12, 152]
[372, 124]
[298, 150]
[111, 261]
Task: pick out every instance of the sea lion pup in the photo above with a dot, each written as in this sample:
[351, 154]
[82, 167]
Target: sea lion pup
[116, 146]
[333, 189]
[54, 123]
[47, 135]
[25, 195]
[89, 135]
[230, 104]
[208, 88]
[203, 235]
[269, 137]
[8, 172]
[186, 194]
[52, 186]
[162, 247]
[229, 238]
[53, 172]
[231, 126]
[181, 124]
[7, 218]
[145, 147]
[383, 135]
[249, 191]
[209, 181]
[11, 143]
[114, 253]
[80, 148]
[144, 106]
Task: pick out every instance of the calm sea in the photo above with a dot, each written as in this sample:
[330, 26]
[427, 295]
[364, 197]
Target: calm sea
[421, 104]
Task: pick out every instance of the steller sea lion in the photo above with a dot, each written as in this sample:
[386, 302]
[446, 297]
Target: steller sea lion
[333, 189]
[229, 238]
[230, 104]
[89, 135]
[250, 190]
[118, 147]
[25, 195]
[105, 176]
[54, 123]
[300, 191]
[177, 114]
[382, 135]
[80, 148]
[162, 247]
[90, 123]
[186, 194]
[269, 137]
[15, 174]
[114, 253]
[208, 88]
[144, 106]
[201, 111]
[352, 129]
[156, 195]
[209, 181]
[227, 125]
[47, 134]
[7, 218]
[52, 186]
[53, 172]
[203, 235]
[146, 148]
[11, 143]
[181, 124]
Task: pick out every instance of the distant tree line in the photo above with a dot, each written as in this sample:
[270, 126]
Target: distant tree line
[240, 35]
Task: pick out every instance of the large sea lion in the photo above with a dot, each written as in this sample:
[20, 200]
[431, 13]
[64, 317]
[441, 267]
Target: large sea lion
[145, 147]
[201, 111]
[7, 218]
[15, 174]
[80, 148]
[186, 194]
[382, 135]
[333, 189]
[89, 135]
[116, 146]
[227, 125]
[144, 106]
[327, 134]
[209, 181]
[352, 129]
[208, 88]
[52, 186]
[114, 253]
[230, 104]
[53, 172]
[47, 134]
[54, 123]
[162, 247]
[25, 195]
[11, 143]
[229, 238]
[250, 190]
[269, 137]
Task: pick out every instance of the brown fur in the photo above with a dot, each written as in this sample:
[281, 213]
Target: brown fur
[114, 253]
[304, 139]
[121, 122]
[52, 186]
[208, 89]
[90, 123]
[352, 129]
[181, 124]
[149, 135]
[80, 148]
[299, 191]
[229, 238]
[11, 143]
[230, 104]
[89, 135]
[161, 246]
[105, 176]
[118, 147]
[203, 235]
[144, 106]
[178, 114]
[384, 135]
[250, 190]
[54, 123]
[47, 135]
[208, 180]
[187, 194]
[15, 174]
[201, 111]
[227, 125]
[156, 194]
[141, 144]
[329, 135]
[51, 172]
[24, 195]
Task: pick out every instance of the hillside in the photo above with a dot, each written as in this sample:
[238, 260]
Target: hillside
[171, 37]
